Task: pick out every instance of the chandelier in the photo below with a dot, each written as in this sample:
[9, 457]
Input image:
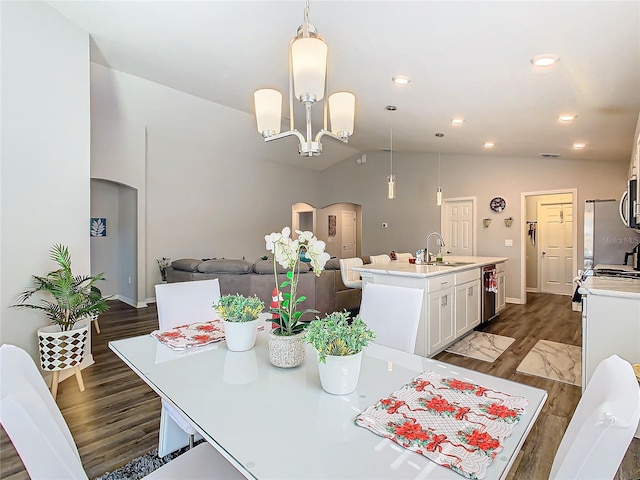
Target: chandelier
[307, 82]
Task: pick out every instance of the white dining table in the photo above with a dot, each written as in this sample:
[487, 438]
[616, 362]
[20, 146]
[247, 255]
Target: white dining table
[274, 423]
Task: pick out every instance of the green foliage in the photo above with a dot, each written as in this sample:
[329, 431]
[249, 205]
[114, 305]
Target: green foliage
[336, 335]
[289, 317]
[70, 297]
[238, 308]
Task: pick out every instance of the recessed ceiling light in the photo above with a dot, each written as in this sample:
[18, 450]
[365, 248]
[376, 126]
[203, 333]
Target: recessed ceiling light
[567, 117]
[579, 146]
[488, 145]
[457, 121]
[545, 60]
[401, 80]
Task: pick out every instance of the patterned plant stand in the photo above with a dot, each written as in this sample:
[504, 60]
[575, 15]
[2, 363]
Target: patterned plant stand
[62, 350]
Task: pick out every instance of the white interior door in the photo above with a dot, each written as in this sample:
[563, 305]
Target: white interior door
[458, 219]
[348, 234]
[555, 224]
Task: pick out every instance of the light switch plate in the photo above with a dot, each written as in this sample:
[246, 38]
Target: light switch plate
[508, 243]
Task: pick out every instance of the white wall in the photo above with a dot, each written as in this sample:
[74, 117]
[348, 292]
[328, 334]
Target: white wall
[104, 250]
[413, 214]
[211, 189]
[45, 154]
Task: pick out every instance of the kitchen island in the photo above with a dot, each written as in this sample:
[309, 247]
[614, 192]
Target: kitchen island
[452, 295]
[610, 322]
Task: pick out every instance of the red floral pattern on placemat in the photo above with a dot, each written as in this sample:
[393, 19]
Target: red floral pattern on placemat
[456, 424]
[192, 335]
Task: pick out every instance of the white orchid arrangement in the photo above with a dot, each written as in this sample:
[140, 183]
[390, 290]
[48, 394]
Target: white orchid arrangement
[287, 252]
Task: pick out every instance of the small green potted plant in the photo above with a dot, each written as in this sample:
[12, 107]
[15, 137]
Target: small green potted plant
[339, 342]
[67, 299]
[240, 315]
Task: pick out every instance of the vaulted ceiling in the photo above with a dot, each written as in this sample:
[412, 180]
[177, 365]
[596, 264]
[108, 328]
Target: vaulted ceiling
[465, 59]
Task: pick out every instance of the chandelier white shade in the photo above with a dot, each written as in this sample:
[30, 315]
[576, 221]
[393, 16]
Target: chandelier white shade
[268, 108]
[307, 83]
[341, 108]
[309, 65]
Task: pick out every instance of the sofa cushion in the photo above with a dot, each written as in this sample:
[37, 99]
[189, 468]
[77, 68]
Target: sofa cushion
[265, 267]
[186, 264]
[332, 264]
[225, 266]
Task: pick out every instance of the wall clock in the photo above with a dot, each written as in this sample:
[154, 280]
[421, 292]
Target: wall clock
[498, 204]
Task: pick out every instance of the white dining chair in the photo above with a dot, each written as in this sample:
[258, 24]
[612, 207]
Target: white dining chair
[350, 278]
[393, 313]
[384, 258]
[602, 426]
[44, 442]
[178, 304]
[403, 257]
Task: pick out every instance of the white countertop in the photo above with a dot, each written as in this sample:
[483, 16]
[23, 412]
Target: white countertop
[404, 268]
[611, 287]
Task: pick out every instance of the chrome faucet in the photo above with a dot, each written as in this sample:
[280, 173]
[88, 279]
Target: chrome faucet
[440, 242]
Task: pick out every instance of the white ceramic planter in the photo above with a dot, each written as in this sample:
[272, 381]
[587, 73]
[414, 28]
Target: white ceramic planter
[61, 350]
[241, 336]
[339, 375]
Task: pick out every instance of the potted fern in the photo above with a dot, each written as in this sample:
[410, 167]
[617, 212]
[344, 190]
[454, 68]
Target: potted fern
[67, 299]
[240, 315]
[339, 342]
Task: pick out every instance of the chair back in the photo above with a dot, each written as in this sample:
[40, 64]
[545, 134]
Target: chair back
[393, 313]
[350, 278]
[384, 258]
[33, 421]
[186, 302]
[602, 426]
[403, 257]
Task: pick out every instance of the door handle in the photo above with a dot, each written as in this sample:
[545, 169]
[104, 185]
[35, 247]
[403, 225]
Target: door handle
[544, 253]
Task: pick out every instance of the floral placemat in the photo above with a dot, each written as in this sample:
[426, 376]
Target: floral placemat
[196, 334]
[456, 424]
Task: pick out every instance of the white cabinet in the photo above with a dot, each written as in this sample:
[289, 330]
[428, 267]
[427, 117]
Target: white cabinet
[467, 307]
[501, 296]
[440, 308]
[610, 326]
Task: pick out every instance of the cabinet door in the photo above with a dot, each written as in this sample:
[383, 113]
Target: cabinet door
[462, 311]
[501, 297]
[441, 320]
[474, 297]
[467, 312]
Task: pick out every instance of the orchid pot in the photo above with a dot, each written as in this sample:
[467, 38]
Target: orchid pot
[288, 318]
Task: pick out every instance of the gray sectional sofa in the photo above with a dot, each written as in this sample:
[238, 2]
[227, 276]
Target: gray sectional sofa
[325, 293]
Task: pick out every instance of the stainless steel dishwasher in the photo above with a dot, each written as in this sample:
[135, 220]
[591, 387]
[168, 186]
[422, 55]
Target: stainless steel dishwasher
[489, 290]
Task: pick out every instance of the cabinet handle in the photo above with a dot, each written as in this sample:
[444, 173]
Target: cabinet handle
[444, 301]
[470, 292]
[443, 283]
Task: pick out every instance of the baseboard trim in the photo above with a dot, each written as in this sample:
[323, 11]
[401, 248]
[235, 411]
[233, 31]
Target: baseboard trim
[514, 300]
[150, 300]
[532, 290]
[133, 303]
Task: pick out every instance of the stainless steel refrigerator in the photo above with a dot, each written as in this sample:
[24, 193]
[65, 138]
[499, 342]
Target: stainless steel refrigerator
[606, 238]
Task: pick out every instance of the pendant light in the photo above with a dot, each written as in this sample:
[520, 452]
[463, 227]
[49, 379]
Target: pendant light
[391, 179]
[439, 190]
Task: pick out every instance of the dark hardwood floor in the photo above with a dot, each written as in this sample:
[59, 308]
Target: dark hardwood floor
[116, 418]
